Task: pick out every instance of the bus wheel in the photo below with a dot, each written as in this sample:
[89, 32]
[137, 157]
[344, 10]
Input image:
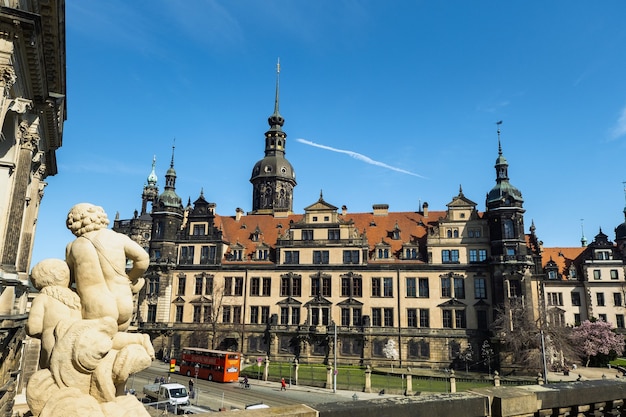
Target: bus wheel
[210, 378]
[188, 373]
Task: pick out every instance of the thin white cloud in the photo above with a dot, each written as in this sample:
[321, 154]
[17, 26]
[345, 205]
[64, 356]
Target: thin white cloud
[619, 129]
[360, 157]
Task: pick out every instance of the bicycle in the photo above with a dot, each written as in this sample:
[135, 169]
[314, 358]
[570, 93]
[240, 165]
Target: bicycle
[244, 385]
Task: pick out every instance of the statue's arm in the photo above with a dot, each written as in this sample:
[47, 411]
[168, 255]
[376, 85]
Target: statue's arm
[34, 325]
[140, 258]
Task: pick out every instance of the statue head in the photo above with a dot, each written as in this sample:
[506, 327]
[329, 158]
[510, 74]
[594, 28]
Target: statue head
[50, 272]
[85, 217]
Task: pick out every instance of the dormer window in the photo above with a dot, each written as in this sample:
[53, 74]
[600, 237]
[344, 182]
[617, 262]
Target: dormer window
[551, 274]
[262, 254]
[572, 273]
[383, 253]
[603, 255]
[236, 255]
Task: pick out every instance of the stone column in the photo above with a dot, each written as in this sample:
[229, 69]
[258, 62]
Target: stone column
[452, 381]
[409, 385]
[296, 366]
[368, 379]
[329, 375]
[496, 379]
[28, 143]
[266, 370]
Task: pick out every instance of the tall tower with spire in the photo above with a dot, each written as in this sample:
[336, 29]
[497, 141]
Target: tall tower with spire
[273, 177]
[167, 218]
[505, 216]
[150, 190]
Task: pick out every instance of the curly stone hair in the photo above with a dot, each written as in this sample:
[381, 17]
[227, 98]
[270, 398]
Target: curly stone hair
[85, 217]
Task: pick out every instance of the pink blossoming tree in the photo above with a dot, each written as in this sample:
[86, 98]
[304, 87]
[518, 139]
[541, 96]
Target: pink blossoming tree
[594, 338]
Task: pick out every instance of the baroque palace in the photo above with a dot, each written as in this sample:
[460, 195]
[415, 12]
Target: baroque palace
[271, 282]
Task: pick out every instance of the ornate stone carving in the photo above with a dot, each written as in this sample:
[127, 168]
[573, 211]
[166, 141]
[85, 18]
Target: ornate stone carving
[87, 356]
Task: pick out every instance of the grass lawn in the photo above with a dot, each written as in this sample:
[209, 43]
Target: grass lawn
[353, 378]
[619, 362]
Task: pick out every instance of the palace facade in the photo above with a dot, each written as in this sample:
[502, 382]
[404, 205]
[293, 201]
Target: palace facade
[32, 114]
[275, 283]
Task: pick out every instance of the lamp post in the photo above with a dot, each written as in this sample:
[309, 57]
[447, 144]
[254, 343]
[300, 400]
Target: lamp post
[195, 386]
[290, 366]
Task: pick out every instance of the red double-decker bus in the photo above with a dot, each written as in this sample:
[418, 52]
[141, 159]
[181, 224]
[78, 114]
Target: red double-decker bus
[213, 365]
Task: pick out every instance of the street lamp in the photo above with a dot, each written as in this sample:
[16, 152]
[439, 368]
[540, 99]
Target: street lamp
[195, 386]
[335, 362]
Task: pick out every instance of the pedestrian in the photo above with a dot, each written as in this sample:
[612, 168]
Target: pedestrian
[283, 384]
[162, 380]
[191, 385]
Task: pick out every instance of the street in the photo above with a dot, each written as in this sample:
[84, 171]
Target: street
[215, 395]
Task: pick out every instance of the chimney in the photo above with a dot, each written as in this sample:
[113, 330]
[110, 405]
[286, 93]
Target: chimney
[238, 214]
[344, 210]
[381, 209]
[425, 209]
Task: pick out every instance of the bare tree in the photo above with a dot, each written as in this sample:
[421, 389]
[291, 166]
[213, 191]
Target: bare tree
[213, 317]
[520, 338]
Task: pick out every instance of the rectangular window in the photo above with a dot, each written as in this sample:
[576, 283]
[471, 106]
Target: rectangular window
[182, 282]
[237, 314]
[198, 230]
[445, 256]
[614, 274]
[295, 315]
[228, 285]
[345, 287]
[424, 317]
[454, 256]
[596, 274]
[284, 315]
[356, 316]
[254, 314]
[267, 287]
[196, 314]
[600, 298]
[576, 299]
[292, 257]
[387, 287]
[555, 299]
[459, 288]
[423, 290]
[265, 315]
[481, 319]
[459, 319]
[446, 290]
[307, 235]
[333, 234]
[357, 287]
[345, 316]
[411, 317]
[199, 285]
[226, 317]
[482, 255]
[617, 299]
[238, 286]
[179, 314]
[473, 255]
[388, 312]
[296, 287]
[321, 286]
[208, 285]
[576, 319]
[207, 314]
[375, 287]
[284, 286]
[377, 319]
[619, 321]
[602, 317]
[151, 313]
[350, 256]
[255, 286]
[186, 255]
[320, 257]
[447, 318]
[480, 288]
[411, 287]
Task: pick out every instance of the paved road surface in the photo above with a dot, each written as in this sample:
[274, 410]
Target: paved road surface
[215, 395]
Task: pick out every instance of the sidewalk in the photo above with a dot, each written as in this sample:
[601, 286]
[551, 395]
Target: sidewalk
[585, 374]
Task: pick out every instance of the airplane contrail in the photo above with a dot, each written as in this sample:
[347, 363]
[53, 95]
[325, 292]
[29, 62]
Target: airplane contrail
[360, 157]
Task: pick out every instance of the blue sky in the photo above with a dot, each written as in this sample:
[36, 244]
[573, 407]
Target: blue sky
[384, 102]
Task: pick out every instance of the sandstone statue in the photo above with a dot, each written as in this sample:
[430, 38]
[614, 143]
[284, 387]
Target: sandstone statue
[87, 355]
